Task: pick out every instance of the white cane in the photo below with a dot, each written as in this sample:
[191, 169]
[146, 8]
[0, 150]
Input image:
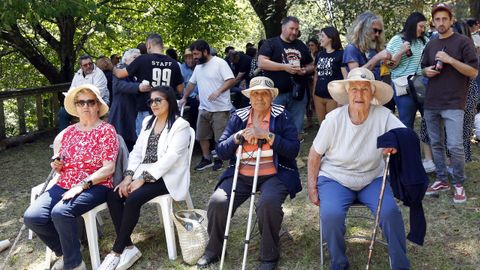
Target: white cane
[252, 202]
[232, 198]
[379, 208]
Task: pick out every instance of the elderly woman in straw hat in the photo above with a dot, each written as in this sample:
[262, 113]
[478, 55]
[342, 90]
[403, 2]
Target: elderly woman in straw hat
[278, 173]
[86, 154]
[344, 164]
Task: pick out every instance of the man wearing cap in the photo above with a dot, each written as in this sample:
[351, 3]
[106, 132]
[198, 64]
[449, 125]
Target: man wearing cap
[449, 62]
[287, 61]
[345, 165]
[187, 68]
[277, 177]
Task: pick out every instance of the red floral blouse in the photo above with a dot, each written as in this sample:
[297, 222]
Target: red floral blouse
[83, 153]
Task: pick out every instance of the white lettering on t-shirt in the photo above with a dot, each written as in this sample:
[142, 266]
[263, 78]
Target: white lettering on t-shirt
[325, 67]
[294, 56]
[161, 76]
[161, 64]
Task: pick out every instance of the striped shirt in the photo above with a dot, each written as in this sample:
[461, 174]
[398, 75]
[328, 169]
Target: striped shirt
[247, 164]
[407, 65]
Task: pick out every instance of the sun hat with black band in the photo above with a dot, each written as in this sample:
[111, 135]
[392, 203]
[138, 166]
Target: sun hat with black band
[261, 83]
[382, 92]
[69, 102]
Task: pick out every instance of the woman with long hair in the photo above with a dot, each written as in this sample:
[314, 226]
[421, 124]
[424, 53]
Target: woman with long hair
[328, 67]
[157, 165]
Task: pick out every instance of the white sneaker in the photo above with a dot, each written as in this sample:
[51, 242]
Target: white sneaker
[128, 258]
[428, 165]
[58, 264]
[110, 262]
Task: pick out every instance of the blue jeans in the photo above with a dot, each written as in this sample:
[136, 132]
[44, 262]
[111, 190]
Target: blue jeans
[296, 108]
[139, 121]
[407, 108]
[452, 120]
[55, 221]
[335, 200]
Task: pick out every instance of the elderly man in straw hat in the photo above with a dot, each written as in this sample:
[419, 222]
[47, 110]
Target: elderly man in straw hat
[344, 164]
[278, 173]
[86, 154]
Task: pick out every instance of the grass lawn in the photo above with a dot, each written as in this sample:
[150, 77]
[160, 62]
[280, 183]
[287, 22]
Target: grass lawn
[452, 240]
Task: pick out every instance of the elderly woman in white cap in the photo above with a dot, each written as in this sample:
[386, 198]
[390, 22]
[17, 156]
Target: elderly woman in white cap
[278, 173]
[86, 154]
[344, 164]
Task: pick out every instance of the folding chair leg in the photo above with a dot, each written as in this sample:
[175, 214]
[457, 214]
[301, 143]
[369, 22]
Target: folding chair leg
[92, 236]
[166, 206]
[48, 258]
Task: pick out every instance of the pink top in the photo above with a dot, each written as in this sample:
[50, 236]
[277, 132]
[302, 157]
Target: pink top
[83, 153]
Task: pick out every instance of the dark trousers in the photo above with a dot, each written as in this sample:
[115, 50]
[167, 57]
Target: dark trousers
[269, 213]
[125, 212]
[55, 221]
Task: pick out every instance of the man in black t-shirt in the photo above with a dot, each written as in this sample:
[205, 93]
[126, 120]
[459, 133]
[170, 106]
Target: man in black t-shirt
[287, 61]
[154, 69]
[240, 65]
[450, 63]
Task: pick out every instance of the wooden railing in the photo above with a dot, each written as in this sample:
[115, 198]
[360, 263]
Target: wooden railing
[16, 124]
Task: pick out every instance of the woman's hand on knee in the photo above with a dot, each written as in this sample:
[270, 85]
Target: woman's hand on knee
[313, 196]
[122, 188]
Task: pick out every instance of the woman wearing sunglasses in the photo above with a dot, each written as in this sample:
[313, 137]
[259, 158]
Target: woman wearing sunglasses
[157, 165]
[86, 153]
[366, 44]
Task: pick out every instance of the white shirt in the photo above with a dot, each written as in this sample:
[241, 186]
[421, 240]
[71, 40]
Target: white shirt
[209, 77]
[351, 155]
[96, 78]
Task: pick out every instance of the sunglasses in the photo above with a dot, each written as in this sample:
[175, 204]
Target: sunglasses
[156, 100]
[88, 102]
[87, 64]
[377, 31]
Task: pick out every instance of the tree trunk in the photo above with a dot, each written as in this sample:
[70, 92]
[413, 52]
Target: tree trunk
[475, 9]
[67, 54]
[271, 14]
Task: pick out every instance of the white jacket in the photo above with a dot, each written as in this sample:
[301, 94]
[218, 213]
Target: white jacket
[97, 78]
[173, 157]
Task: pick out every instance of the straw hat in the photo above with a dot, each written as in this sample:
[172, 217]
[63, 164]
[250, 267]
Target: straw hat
[69, 102]
[382, 92]
[187, 52]
[261, 83]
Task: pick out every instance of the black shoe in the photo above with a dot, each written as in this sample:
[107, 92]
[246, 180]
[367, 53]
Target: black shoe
[217, 164]
[205, 261]
[268, 266]
[204, 163]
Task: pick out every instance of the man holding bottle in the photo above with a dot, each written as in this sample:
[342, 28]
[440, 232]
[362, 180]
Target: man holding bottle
[449, 62]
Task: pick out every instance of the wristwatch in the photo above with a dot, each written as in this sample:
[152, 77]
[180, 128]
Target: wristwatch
[87, 183]
[271, 136]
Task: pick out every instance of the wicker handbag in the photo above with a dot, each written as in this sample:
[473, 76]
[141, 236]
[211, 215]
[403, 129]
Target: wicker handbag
[192, 233]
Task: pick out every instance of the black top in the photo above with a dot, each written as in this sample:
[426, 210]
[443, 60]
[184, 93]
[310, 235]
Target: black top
[328, 68]
[243, 65]
[158, 69]
[283, 52]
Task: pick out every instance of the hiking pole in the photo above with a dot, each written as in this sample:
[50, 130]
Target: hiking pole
[252, 201]
[379, 208]
[232, 198]
[49, 177]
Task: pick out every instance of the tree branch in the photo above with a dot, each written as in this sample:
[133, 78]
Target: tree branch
[51, 40]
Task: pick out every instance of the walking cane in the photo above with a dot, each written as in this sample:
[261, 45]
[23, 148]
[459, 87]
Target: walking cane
[49, 177]
[232, 198]
[379, 208]
[252, 202]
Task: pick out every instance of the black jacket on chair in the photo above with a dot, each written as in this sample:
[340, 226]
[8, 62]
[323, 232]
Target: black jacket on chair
[408, 178]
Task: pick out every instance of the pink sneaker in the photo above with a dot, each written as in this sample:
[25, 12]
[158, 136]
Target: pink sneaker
[459, 196]
[436, 187]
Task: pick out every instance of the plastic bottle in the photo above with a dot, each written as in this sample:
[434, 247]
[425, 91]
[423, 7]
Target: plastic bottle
[438, 63]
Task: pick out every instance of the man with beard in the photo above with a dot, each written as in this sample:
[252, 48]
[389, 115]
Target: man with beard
[155, 69]
[449, 62]
[214, 79]
[286, 60]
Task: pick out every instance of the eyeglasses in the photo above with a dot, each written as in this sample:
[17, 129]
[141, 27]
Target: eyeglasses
[88, 102]
[87, 64]
[156, 100]
[377, 31]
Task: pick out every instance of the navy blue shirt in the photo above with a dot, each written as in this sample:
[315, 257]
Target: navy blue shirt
[353, 54]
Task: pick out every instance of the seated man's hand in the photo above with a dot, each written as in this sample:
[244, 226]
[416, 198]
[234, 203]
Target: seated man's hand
[389, 151]
[253, 134]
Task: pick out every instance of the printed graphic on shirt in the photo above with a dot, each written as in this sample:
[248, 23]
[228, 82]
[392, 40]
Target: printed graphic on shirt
[325, 66]
[293, 55]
